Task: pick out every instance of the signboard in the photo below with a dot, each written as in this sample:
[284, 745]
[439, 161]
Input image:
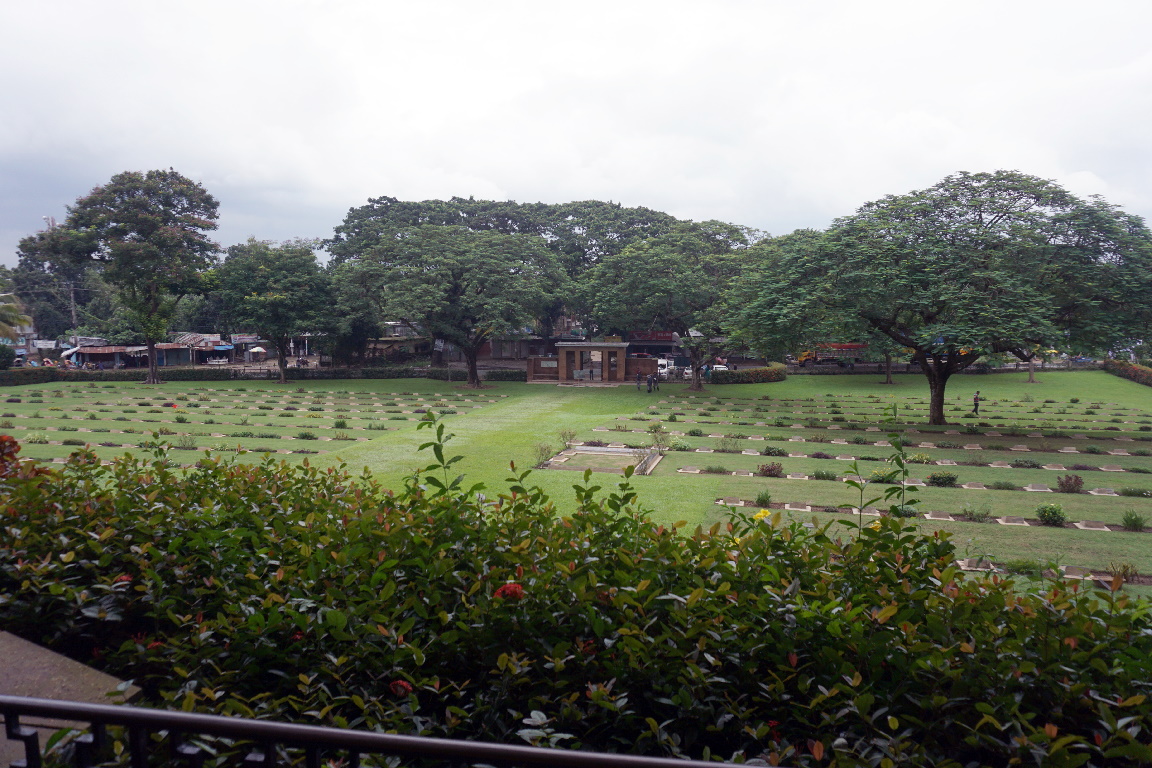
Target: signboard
[44, 344]
[548, 363]
[245, 338]
[613, 338]
[652, 336]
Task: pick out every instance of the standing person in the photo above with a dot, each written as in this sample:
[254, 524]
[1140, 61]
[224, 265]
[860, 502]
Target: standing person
[649, 383]
[976, 403]
[639, 380]
[656, 381]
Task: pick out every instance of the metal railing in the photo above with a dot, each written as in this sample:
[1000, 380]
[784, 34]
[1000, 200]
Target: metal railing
[153, 736]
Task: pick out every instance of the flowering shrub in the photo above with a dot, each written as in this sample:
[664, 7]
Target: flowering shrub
[1138, 373]
[772, 372]
[289, 592]
[1069, 484]
[775, 469]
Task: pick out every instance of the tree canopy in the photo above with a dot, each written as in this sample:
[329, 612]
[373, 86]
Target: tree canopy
[455, 284]
[678, 281]
[147, 231]
[977, 264]
[278, 291]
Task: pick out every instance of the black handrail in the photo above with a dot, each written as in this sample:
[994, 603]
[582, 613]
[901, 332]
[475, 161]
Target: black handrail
[313, 739]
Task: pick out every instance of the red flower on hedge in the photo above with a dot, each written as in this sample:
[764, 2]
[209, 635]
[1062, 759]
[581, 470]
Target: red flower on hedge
[122, 578]
[510, 591]
[400, 687]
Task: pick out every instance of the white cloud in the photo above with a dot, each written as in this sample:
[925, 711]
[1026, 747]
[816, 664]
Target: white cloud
[772, 114]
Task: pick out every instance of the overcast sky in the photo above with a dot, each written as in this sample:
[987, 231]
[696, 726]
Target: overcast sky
[777, 115]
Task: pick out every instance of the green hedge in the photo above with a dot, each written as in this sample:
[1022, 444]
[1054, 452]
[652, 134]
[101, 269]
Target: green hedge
[289, 592]
[771, 372]
[500, 374]
[1137, 373]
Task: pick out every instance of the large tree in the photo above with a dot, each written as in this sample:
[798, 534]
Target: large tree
[455, 284]
[147, 231]
[279, 291]
[978, 264]
[679, 281]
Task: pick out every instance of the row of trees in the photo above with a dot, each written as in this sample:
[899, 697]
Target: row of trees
[979, 264]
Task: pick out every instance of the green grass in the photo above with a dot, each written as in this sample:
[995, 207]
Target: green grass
[524, 416]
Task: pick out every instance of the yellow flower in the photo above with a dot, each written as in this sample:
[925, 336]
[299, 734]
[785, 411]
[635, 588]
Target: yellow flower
[761, 514]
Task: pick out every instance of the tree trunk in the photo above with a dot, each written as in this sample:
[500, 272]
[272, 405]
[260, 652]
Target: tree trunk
[282, 359]
[888, 368]
[1032, 370]
[696, 360]
[473, 373]
[937, 380]
[153, 369]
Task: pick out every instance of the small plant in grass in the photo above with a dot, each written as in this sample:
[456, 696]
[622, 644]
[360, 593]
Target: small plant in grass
[1136, 493]
[1004, 485]
[821, 455]
[1051, 514]
[695, 432]
[1025, 464]
[775, 469]
[340, 424]
[1133, 520]
[181, 419]
[884, 476]
[36, 438]
[977, 513]
[825, 474]
[305, 435]
[1124, 571]
[919, 458]
[1093, 449]
[543, 452]
[185, 442]
[942, 479]
[6, 424]
[774, 450]
[715, 469]
[1023, 567]
[91, 417]
[342, 436]
[1070, 484]
[903, 510]
[72, 441]
[764, 499]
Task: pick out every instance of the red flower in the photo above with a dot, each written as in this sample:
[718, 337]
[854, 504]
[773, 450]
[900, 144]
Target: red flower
[400, 687]
[511, 591]
[154, 645]
[122, 578]
[299, 635]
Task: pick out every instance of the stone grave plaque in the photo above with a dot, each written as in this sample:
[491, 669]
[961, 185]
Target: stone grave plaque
[750, 453]
[975, 564]
[839, 441]
[915, 481]
[1020, 448]
[872, 429]
[1092, 525]
[845, 457]
[689, 470]
[1068, 450]
[1103, 492]
[797, 426]
[617, 445]
[1112, 468]
[972, 447]
[797, 477]
[1125, 439]
[974, 486]
[714, 435]
[1012, 520]
[797, 507]
[704, 450]
[1056, 467]
[835, 426]
[742, 473]
[1079, 437]
[926, 445]
[938, 516]
[1037, 488]
[797, 455]
[796, 440]
[946, 463]
[556, 460]
[1035, 434]
[730, 501]
[951, 431]
[594, 429]
[1119, 452]
[1075, 572]
[883, 444]
[993, 433]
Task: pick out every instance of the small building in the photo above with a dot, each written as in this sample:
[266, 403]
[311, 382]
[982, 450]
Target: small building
[589, 361]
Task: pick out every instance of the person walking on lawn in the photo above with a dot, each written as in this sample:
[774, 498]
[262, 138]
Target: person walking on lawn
[976, 403]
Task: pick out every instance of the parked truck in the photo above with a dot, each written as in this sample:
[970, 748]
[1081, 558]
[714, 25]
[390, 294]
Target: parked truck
[840, 354]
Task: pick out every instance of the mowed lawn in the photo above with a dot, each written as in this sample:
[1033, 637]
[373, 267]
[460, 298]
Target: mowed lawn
[372, 423]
